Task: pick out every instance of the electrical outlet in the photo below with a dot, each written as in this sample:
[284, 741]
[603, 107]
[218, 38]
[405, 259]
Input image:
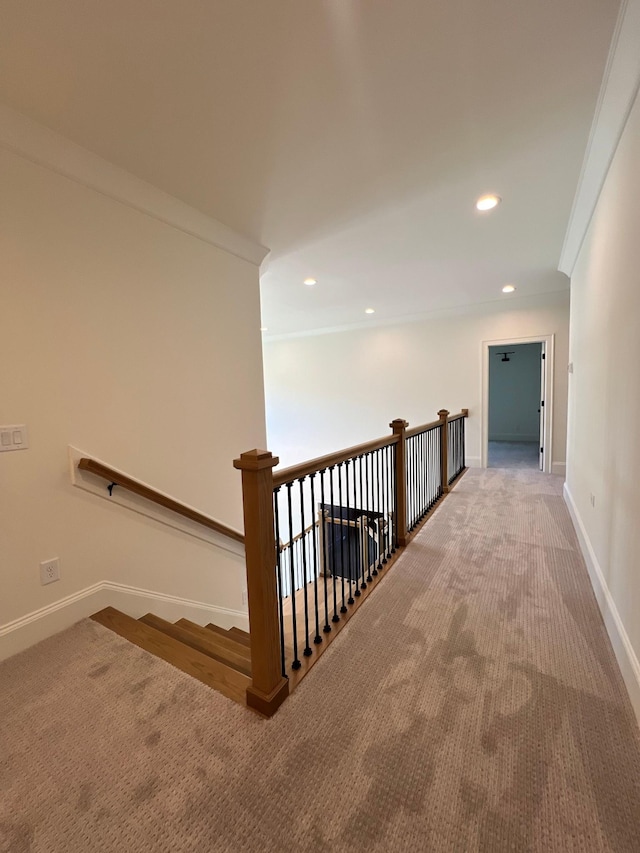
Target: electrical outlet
[50, 571]
[244, 597]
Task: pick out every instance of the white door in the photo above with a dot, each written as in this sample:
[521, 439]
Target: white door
[542, 403]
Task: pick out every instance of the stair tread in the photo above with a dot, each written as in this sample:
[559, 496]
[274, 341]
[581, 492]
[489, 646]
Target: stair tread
[201, 666]
[240, 635]
[223, 642]
[234, 656]
[226, 636]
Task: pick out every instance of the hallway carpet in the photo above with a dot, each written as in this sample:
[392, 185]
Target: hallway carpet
[474, 704]
[513, 454]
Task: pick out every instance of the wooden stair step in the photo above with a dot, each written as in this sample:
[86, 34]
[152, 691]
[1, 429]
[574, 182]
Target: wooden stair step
[219, 635]
[208, 644]
[224, 643]
[240, 635]
[218, 631]
[205, 668]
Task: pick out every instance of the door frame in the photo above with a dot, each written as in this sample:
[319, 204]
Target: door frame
[549, 341]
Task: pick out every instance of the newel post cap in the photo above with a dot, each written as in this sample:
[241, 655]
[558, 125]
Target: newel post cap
[255, 460]
[443, 414]
[399, 424]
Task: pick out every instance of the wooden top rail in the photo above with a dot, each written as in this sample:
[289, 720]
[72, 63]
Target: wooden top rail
[418, 429]
[297, 537]
[130, 485]
[463, 414]
[296, 472]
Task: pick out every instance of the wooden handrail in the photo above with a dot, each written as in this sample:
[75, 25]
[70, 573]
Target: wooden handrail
[462, 414]
[418, 429]
[314, 465]
[130, 485]
[298, 536]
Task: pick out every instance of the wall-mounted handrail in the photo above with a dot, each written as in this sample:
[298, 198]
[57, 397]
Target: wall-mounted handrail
[287, 475]
[118, 479]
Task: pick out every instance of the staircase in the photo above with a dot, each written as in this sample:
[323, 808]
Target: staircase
[219, 658]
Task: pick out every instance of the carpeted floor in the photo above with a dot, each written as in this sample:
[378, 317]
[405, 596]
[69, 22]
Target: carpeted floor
[474, 704]
[513, 454]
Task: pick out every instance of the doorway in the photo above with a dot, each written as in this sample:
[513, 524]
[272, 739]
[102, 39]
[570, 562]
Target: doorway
[517, 403]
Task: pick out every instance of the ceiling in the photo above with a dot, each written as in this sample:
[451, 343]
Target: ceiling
[351, 137]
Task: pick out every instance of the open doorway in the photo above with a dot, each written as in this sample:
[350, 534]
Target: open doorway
[515, 406]
[517, 398]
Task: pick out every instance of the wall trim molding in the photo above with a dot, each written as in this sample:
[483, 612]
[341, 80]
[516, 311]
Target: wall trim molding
[624, 652]
[30, 629]
[618, 92]
[559, 468]
[33, 141]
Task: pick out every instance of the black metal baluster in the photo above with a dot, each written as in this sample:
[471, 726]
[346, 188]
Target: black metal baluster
[431, 469]
[323, 527]
[305, 575]
[411, 489]
[355, 533]
[294, 619]
[315, 532]
[343, 608]
[421, 473]
[368, 476]
[335, 617]
[394, 498]
[389, 501]
[363, 530]
[383, 507]
[348, 536]
[279, 579]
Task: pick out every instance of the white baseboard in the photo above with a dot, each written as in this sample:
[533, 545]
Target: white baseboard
[625, 654]
[36, 626]
[473, 462]
[559, 468]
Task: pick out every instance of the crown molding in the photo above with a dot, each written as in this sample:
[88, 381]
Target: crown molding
[618, 92]
[37, 143]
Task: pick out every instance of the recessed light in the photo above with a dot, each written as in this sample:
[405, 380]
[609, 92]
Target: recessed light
[369, 310]
[310, 281]
[508, 288]
[488, 202]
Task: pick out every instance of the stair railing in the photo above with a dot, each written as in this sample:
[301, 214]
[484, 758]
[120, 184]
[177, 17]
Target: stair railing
[344, 517]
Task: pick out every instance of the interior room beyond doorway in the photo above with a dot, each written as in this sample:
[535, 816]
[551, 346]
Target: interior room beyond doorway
[515, 394]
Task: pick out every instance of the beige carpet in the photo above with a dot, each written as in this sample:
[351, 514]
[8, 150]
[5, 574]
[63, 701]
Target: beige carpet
[474, 704]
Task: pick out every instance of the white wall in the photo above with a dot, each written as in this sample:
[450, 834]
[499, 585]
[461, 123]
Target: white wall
[514, 393]
[331, 391]
[138, 343]
[604, 400]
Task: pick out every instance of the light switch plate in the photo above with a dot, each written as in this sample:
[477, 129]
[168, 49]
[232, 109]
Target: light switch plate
[13, 437]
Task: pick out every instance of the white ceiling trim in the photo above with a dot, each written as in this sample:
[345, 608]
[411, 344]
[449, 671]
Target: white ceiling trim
[40, 145]
[619, 90]
[508, 303]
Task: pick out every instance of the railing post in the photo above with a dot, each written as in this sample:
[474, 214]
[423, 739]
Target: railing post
[443, 414]
[269, 688]
[399, 427]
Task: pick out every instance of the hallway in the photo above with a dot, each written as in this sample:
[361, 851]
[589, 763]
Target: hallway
[474, 704]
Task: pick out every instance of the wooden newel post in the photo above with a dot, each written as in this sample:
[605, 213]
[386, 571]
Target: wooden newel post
[443, 414]
[269, 688]
[399, 428]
